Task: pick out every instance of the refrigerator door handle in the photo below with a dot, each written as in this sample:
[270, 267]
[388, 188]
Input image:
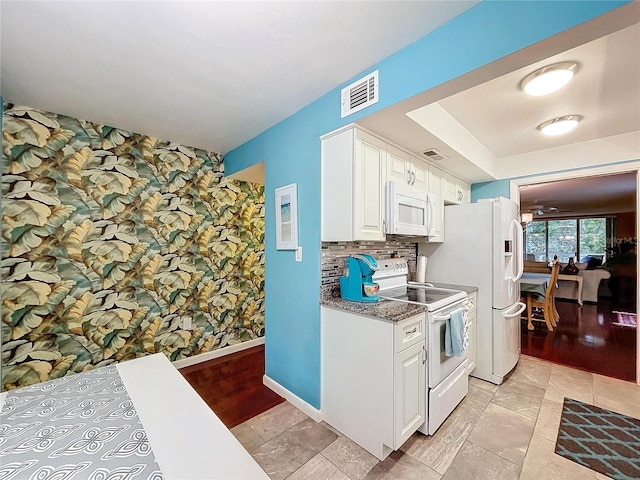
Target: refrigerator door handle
[521, 306]
[519, 254]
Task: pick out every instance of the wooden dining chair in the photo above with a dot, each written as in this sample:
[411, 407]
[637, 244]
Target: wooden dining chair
[546, 302]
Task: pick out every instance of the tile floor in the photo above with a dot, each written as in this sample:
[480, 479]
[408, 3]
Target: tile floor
[506, 432]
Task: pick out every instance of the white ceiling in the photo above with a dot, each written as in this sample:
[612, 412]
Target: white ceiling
[487, 126]
[594, 195]
[605, 90]
[209, 74]
[215, 74]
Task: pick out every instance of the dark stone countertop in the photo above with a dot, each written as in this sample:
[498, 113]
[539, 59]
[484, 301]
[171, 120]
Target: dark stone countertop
[387, 309]
[384, 309]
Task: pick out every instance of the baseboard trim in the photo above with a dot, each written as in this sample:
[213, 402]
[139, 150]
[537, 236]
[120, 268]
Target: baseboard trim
[221, 352]
[292, 398]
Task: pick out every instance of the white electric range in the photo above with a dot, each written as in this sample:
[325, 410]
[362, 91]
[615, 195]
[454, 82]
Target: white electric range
[447, 376]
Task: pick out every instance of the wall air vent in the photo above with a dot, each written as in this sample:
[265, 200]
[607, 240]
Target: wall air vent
[434, 154]
[360, 94]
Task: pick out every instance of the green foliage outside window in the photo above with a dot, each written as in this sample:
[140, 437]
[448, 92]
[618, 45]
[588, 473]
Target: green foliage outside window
[593, 237]
[536, 235]
[565, 238]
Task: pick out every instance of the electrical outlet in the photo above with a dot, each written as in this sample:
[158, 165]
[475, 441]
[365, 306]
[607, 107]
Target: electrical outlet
[299, 254]
[187, 323]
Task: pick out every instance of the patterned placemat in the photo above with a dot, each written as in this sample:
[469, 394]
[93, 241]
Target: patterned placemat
[80, 426]
[600, 439]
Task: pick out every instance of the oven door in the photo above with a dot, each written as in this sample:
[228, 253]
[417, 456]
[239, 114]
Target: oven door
[440, 366]
[409, 211]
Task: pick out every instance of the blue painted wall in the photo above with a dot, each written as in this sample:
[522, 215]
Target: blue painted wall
[499, 188]
[291, 152]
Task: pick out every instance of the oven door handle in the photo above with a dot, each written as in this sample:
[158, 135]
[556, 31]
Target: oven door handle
[441, 318]
[518, 312]
[438, 318]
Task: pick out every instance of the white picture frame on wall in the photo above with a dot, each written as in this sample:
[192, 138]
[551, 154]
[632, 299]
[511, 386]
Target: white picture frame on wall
[287, 217]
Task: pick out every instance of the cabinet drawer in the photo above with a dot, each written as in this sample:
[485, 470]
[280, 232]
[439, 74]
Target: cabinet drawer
[472, 300]
[447, 395]
[408, 332]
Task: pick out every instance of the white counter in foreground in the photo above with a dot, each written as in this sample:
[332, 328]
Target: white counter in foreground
[189, 441]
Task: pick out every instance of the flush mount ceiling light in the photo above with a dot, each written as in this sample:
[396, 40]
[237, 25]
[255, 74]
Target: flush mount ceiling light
[559, 125]
[527, 217]
[548, 79]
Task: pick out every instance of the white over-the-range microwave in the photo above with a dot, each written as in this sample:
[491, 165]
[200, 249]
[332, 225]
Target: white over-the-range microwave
[410, 211]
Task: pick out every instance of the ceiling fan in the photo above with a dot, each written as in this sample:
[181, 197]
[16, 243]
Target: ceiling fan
[539, 210]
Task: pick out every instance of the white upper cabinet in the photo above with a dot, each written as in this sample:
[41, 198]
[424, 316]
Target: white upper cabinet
[436, 186]
[354, 172]
[456, 191]
[356, 166]
[405, 169]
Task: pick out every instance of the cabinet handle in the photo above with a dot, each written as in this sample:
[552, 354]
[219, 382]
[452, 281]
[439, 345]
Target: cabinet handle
[424, 355]
[413, 174]
[413, 330]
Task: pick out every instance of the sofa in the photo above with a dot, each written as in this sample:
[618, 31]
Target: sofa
[591, 279]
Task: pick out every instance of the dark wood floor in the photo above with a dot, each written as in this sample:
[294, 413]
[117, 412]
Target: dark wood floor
[232, 385]
[586, 338]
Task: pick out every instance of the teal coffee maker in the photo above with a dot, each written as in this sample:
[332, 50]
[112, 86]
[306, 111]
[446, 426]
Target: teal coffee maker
[357, 284]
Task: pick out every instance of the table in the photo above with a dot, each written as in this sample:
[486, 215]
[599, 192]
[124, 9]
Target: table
[188, 440]
[574, 278]
[536, 284]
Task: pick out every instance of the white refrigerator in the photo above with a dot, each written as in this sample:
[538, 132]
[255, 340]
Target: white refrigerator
[482, 247]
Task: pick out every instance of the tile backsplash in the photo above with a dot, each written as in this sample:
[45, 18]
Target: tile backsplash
[335, 253]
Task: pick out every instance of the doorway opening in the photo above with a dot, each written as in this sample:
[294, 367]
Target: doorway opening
[592, 216]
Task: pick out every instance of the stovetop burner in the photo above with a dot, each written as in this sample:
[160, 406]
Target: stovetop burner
[431, 297]
[392, 278]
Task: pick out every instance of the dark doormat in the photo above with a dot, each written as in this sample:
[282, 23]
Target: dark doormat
[625, 319]
[600, 439]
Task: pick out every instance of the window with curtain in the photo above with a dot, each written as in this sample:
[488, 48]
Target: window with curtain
[576, 237]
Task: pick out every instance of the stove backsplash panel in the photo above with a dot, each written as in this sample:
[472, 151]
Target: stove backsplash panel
[335, 253]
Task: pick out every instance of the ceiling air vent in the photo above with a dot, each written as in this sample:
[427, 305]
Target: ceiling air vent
[360, 94]
[433, 154]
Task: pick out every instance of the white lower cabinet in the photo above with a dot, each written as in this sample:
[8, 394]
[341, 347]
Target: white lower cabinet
[409, 392]
[373, 378]
[473, 328]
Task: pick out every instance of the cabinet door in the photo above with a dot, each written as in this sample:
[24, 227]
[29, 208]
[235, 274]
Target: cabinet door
[398, 166]
[436, 180]
[456, 191]
[420, 174]
[450, 189]
[464, 192]
[369, 180]
[402, 167]
[409, 392]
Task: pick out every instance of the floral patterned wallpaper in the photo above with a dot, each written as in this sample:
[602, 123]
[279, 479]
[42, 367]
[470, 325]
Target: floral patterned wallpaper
[110, 239]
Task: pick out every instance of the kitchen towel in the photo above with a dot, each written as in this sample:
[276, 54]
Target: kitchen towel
[454, 334]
